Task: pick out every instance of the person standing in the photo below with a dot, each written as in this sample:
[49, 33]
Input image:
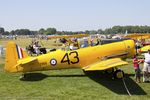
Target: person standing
[138, 46]
[146, 67]
[136, 63]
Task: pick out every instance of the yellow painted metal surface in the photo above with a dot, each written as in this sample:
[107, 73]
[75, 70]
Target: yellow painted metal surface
[138, 36]
[106, 64]
[144, 49]
[68, 36]
[61, 59]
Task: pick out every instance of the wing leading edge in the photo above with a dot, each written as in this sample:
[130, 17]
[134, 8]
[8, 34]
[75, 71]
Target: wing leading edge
[106, 64]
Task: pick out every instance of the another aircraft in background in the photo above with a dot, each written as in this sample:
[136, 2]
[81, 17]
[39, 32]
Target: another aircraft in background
[67, 36]
[66, 39]
[138, 36]
[142, 40]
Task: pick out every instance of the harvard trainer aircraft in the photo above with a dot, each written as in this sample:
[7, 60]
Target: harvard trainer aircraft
[95, 58]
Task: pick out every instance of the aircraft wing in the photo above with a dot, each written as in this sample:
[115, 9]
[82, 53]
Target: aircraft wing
[68, 36]
[138, 36]
[106, 64]
[144, 49]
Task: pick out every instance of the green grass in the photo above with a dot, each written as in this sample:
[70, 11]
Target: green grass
[70, 84]
[23, 42]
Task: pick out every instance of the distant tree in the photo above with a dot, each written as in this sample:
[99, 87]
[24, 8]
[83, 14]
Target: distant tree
[12, 32]
[23, 32]
[50, 31]
[87, 32]
[2, 30]
[63, 33]
[116, 29]
[108, 31]
[41, 31]
[6, 33]
[59, 33]
[93, 32]
[33, 32]
[100, 31]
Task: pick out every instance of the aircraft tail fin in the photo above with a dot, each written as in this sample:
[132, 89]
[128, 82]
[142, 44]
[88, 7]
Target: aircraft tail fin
[13, 54]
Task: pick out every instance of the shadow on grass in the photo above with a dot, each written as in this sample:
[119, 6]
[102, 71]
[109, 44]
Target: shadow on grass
[104, 79]
[41, 76]
[117, 85]
[34, 77]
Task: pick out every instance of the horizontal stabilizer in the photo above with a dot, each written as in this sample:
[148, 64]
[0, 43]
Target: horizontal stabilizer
[26, 61]
[106, 64]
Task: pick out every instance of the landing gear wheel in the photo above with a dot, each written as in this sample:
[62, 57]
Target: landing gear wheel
[118, 74]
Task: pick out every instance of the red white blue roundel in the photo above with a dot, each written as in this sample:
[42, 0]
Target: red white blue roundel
[53, 62]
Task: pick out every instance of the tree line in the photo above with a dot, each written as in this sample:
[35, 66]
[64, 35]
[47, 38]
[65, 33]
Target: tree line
[53, 31]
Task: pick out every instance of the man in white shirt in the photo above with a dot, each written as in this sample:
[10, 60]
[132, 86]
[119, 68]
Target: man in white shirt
[146, 67]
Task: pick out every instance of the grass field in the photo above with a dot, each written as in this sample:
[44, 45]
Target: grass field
[23, 42]
[70, 84]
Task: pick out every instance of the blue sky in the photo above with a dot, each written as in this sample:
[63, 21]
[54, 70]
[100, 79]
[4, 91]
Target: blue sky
[73, 15]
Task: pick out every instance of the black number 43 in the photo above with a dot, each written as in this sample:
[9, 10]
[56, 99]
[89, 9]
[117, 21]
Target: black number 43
[67, 59]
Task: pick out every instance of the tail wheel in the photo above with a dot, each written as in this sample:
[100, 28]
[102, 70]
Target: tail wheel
[23, 77]
[118, 74]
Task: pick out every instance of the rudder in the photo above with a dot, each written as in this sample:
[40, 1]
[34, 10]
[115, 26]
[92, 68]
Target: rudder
[13, 54]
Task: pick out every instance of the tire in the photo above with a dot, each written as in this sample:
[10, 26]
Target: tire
[118, 74]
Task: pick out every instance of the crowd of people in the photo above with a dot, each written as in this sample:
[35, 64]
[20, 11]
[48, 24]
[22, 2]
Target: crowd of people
[146, 66]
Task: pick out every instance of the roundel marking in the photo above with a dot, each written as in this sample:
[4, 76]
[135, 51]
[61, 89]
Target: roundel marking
[53, 62]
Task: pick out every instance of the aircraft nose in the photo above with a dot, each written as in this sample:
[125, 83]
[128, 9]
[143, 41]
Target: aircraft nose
[130, 47]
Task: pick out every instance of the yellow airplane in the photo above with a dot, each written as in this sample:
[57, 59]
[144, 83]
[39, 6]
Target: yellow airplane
[66, 39]
[138, 36]
[144, 49]
[95, 58]
[67, 36]
[142, 37]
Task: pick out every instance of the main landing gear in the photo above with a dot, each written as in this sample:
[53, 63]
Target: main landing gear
[116, 73]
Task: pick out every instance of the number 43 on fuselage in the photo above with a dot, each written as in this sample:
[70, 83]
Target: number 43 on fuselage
[100, 57]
